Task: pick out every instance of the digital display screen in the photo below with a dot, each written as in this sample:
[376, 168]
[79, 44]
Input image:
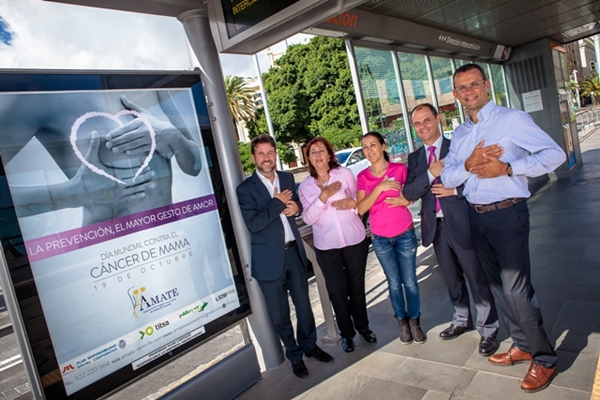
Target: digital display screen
[113, 199]
[243, 14]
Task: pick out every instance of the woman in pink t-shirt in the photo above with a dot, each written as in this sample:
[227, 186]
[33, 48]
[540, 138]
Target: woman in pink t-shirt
[379, 191]
[328, 199]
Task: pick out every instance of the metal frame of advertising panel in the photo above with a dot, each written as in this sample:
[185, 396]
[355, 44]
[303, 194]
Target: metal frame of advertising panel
[118, 249]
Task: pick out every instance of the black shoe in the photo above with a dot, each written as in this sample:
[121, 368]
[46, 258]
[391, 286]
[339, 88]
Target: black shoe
[369, 336]
[488, 346]
[319, 354]
[348, 345]
[453, 331]
[300, 369]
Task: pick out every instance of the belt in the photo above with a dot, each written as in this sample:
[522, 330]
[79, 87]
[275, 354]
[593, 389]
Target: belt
[499, 205]
[289, 244]
[440, 219]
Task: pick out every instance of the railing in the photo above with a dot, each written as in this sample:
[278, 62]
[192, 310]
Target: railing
[587, 121]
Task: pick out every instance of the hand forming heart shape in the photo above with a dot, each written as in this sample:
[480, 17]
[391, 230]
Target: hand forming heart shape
[115, 118]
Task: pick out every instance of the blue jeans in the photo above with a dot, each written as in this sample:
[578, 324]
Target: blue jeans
[398, 258]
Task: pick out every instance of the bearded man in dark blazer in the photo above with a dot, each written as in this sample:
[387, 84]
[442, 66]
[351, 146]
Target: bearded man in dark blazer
[269, 203]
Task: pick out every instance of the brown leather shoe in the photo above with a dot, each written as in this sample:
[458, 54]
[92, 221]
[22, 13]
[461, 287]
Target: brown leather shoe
[538, 377]
[513, 356]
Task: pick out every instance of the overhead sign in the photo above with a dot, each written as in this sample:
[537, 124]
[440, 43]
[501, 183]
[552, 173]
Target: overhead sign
[370, 26]
[243, 14]
[249, 26]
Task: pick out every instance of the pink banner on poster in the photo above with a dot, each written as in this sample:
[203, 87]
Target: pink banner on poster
[67, 241]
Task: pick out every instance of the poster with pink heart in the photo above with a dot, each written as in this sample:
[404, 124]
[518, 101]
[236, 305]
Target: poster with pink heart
[120, 223]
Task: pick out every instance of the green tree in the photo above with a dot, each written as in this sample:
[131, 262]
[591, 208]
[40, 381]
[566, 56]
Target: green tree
[343, 138]
[591, 87]
[241, 100]
[246, 156]
[310, 92]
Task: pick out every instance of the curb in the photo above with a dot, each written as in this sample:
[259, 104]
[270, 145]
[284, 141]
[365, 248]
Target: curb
[6, 330]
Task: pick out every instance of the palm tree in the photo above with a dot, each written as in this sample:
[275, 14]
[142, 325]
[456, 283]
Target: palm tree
[591, 87]
[241, 101]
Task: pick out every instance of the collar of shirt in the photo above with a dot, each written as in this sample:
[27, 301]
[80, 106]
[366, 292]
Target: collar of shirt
[484, 113]
[267, 182]
[287, 229]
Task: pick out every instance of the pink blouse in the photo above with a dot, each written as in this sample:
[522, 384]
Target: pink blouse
[332, 229]
[385, 220]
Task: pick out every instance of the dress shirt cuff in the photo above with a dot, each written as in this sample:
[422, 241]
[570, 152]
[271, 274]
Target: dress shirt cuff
[430, 176]
[319, 204]
[462, 173]
[519, 167]
[455, 192]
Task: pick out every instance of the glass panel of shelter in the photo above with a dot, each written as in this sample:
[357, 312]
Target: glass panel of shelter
[497, 79]
[447, 106]
[417, 87]
[383, 100]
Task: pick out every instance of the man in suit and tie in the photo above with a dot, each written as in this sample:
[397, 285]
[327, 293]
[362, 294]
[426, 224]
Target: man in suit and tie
[445, 223]
[269, 204]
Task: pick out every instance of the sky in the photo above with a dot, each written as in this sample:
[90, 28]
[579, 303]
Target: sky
[35, 34]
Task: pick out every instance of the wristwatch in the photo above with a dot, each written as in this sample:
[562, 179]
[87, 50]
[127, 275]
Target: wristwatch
[508, 169]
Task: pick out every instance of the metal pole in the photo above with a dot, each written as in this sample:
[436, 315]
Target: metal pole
[596, 39]
[505, 86]
[360, 100]
[266, 107]
[402, 92]
[197, 28]
[332, 336]
[461, 111]
[18, 326]
[434, 99]
[576, 88]
[491, 79]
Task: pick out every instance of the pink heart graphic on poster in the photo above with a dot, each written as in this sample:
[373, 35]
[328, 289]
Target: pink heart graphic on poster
[115, 118]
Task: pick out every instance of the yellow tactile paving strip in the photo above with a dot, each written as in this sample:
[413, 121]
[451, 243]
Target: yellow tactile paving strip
[596, 387]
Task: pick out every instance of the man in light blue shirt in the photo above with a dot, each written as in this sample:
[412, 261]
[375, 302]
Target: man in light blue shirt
[492, 154]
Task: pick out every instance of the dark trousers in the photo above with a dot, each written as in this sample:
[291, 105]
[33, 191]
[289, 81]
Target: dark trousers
[295, 280]
[457, 263]
[344, 271]
[501, 239]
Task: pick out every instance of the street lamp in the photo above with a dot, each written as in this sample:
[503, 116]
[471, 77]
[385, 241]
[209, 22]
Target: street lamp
[576, 88]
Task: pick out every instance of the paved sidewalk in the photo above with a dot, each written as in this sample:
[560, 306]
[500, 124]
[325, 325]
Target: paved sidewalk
[565, 251]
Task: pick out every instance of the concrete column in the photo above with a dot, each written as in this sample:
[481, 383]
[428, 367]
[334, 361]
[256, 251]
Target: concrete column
[199, 34]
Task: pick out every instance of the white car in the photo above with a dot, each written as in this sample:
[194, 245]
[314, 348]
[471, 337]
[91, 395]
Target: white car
[353, 158]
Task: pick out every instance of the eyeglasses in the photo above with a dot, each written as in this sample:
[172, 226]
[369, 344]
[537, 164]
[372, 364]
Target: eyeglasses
[473, 85]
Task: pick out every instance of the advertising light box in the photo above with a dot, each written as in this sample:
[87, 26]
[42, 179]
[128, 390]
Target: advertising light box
[115, 225]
